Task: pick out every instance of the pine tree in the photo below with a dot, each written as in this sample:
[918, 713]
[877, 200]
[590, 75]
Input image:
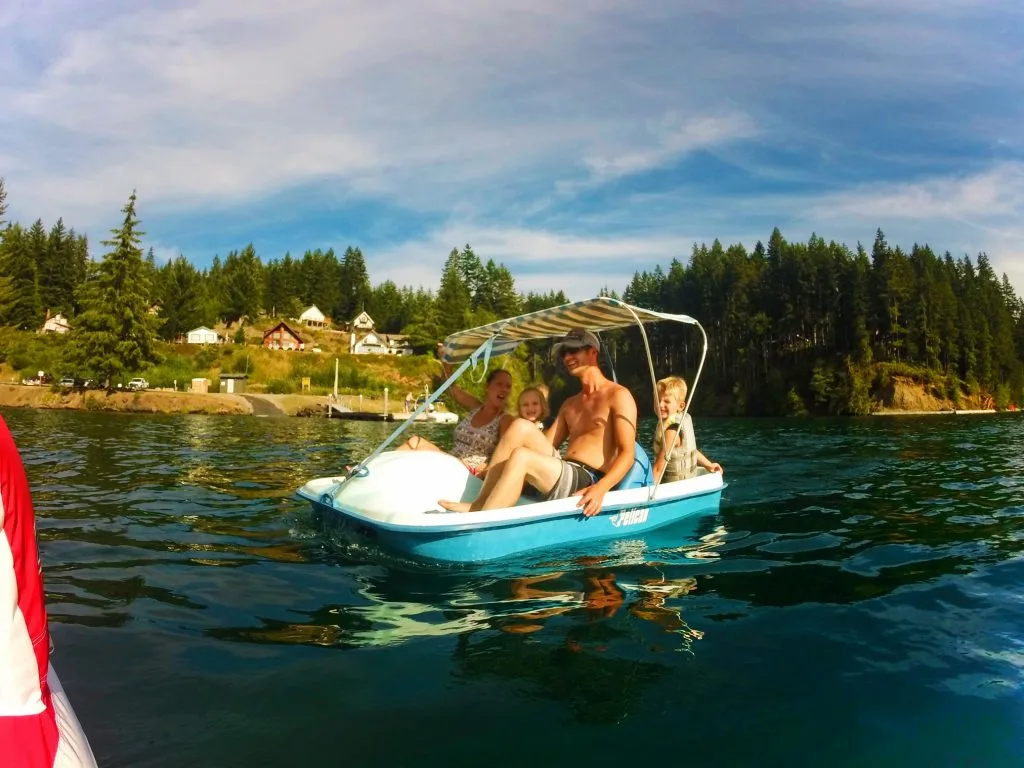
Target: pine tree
[19, 299]
[149, 270]
[54, 290]
[114, 335]
[386, 307]
[453, 298]
[241, 285]
[77, 268]
[180, 295]
[355, 283]
[501, 296]
[474, 277]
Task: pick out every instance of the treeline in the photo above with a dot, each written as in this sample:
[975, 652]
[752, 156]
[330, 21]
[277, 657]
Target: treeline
[39, 269]
[792, 326]
[44, 271]
[816, 326]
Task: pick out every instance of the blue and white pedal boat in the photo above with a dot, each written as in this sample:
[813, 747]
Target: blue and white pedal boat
[392, 496]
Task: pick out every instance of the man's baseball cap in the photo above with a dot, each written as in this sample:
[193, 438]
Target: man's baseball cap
[577, 338]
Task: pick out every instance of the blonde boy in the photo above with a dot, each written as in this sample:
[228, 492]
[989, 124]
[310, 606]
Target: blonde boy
[676, 448]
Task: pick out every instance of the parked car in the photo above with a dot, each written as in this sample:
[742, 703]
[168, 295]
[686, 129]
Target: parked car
[67, 382]
[138, 383]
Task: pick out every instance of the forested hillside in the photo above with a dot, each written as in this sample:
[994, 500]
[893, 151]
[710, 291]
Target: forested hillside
[796, 326]
[793, 327]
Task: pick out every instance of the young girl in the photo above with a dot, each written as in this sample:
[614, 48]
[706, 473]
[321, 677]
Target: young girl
[678, 439]
[533, 406]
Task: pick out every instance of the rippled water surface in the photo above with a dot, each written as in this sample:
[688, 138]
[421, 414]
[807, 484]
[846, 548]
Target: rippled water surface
[858, 601]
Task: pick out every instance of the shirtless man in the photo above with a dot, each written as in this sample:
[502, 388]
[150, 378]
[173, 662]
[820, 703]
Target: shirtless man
[600, 423]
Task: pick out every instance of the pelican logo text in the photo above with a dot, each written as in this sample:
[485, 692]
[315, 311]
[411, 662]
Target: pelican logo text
[633, 516]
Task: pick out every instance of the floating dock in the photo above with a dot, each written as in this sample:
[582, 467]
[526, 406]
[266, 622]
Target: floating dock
[948, 412]
[341, 412]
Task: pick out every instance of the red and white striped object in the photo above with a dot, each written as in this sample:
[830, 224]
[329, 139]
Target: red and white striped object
[38, 727]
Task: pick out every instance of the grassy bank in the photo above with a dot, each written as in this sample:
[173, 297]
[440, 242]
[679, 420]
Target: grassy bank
[274, 372]
[23, 354]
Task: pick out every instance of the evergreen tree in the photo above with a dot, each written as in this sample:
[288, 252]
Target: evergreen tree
[77, 268]
[500, 287]
[387, 308]
[471, 269]
[114, 335]
[453, 297]
[425, 327]
[19, 297]
[180, 296]
[356, 284]
[535, 302]
[149, 270]
[55, 288]
[241, 284]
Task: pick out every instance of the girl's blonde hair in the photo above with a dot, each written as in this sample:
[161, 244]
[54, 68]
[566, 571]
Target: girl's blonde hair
[672, 385]
[543, 399]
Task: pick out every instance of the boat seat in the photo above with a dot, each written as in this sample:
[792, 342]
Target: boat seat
[641, 474]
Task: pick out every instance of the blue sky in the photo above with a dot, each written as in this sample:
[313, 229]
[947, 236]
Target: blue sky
[576, 141]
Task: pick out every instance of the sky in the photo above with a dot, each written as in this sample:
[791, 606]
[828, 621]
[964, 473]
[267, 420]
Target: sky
[575, 141]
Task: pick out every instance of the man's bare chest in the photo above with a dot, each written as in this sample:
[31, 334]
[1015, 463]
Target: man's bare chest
[587, 417]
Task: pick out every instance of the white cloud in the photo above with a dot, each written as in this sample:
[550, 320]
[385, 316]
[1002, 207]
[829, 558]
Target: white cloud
[995, 194]
[673, 139]
[468, 112]
[962, 213]
[965, 214]
[539, 260]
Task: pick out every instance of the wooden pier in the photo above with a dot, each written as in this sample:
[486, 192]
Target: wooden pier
[341, 412]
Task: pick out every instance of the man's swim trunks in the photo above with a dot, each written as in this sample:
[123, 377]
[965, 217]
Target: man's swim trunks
[575, 475]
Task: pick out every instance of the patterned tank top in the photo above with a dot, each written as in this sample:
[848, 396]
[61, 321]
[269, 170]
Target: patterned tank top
[474, 445]
[682, 464]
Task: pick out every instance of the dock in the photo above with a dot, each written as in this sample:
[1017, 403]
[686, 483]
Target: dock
[341, 412]
[945, 412]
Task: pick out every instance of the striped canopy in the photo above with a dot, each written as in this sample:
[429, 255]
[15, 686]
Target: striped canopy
[600, 314]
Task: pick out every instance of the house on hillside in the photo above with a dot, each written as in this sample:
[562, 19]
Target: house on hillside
[363, 323]
[374, 343]
[282, 337]
[313, 317]
[55, 324]
[203, 335]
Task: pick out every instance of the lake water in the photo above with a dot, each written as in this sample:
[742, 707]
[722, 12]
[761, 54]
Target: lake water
[858, 601]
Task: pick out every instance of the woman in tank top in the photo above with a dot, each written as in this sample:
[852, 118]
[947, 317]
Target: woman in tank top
[477, 435]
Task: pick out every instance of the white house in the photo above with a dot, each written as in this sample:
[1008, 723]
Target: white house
[203, 335]
[374, 343]
[363, 323]
[56, 324]
[313, 317]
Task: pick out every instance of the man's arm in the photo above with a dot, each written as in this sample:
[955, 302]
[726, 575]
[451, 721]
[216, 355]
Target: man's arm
[622, 415]
[559, 430]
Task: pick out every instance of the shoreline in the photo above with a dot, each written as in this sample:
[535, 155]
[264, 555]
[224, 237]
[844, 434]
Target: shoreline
[146, 401]
[944, 412]
[255, 404]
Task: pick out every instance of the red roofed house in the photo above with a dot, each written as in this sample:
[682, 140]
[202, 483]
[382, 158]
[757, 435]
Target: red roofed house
[282, 337]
